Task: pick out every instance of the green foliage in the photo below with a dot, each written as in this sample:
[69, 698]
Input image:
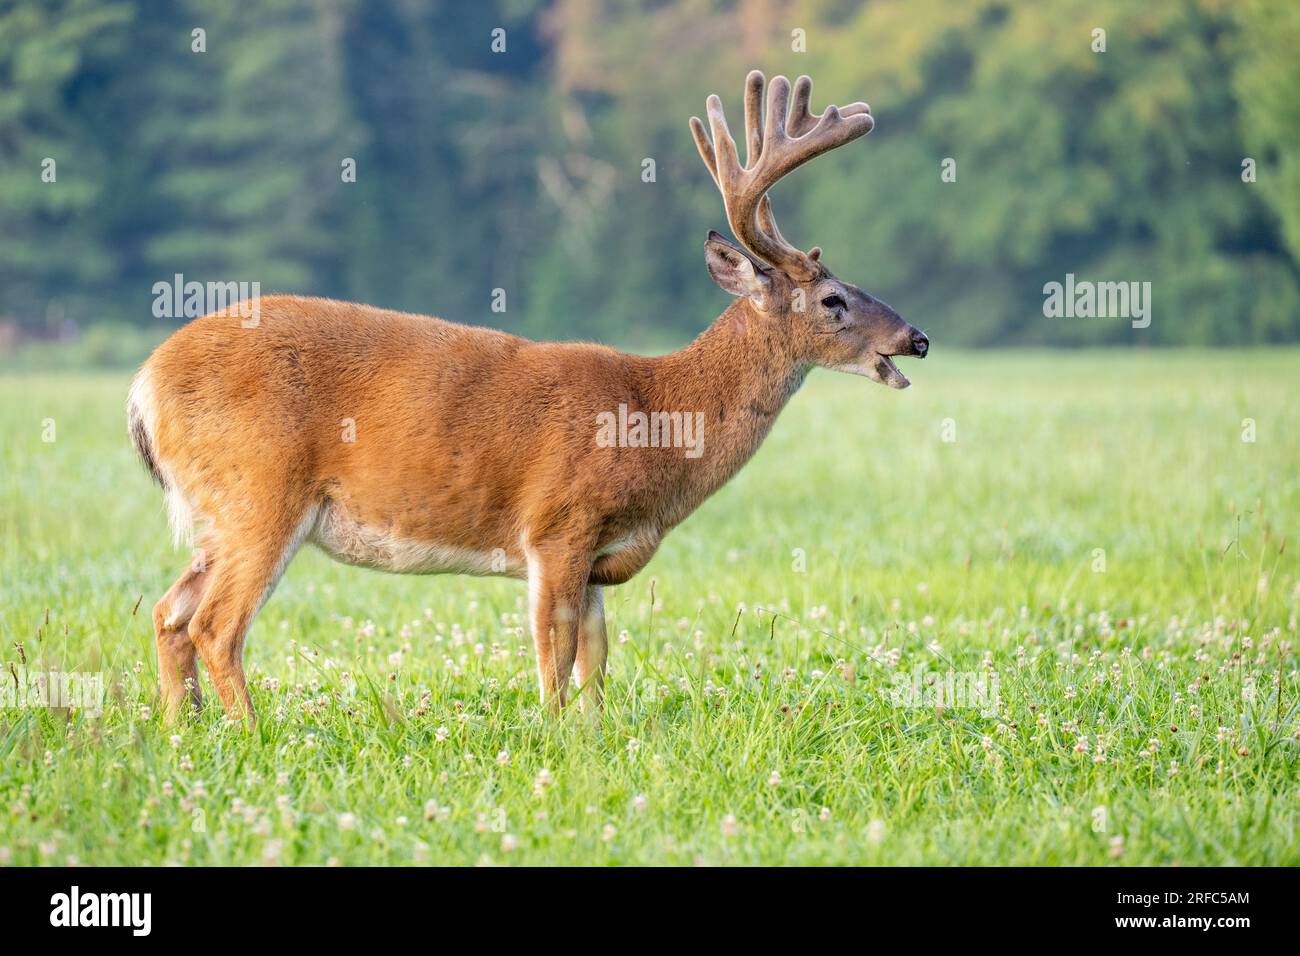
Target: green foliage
[1119, 165]
[522, 170]
[55, 253]
[236, 151]
[1267, 81]
[103, 345]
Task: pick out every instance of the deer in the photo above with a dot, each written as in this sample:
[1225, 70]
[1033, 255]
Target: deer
[410, 444]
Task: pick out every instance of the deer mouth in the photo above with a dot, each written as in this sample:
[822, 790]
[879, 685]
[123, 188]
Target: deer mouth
[887, 373]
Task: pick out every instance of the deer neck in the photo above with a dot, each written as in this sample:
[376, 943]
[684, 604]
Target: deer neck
[739, 373]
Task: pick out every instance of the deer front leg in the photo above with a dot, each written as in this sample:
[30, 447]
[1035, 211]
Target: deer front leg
[556, 603]
[593, 650]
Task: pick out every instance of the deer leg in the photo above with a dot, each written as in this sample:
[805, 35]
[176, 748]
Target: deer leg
[593, 650]
[249, 568]
[556, 593]
[178, 675]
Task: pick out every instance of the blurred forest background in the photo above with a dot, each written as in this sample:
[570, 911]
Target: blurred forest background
[523, 169]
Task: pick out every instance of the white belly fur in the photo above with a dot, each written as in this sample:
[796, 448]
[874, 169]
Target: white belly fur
[347, 540]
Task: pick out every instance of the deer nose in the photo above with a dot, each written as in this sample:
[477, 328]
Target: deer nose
[920, 343]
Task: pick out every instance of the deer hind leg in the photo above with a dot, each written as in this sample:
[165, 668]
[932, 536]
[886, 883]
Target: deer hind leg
[593, 651]
[178, 676]
[250, 565]
[557, 588]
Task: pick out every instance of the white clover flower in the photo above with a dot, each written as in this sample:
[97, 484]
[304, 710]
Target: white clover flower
[543, 780]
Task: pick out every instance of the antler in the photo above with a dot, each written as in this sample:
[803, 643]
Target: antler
[787, 140]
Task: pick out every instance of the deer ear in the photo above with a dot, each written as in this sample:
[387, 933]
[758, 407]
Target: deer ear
[733, 269]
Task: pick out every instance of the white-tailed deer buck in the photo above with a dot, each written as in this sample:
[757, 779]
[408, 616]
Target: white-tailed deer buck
[410, 444]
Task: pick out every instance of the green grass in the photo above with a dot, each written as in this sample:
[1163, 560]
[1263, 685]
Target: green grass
[884, 548]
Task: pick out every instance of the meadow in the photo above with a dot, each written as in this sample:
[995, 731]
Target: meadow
[1099, 547]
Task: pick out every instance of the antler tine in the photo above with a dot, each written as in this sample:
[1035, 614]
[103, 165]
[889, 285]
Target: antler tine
[778, 110]
[801, 118]
[786, 138]
[706, 148]
[753, 118]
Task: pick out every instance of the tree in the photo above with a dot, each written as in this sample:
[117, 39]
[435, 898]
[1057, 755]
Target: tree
[55, 255]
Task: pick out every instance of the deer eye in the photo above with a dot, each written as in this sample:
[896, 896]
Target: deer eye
[833, 302]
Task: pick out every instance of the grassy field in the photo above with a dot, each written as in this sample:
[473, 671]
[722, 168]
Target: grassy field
[1088, 533]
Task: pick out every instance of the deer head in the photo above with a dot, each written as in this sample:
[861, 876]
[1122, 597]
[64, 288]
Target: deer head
[832, 323]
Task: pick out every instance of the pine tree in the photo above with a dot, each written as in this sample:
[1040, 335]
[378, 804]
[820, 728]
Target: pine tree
[55, 257]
